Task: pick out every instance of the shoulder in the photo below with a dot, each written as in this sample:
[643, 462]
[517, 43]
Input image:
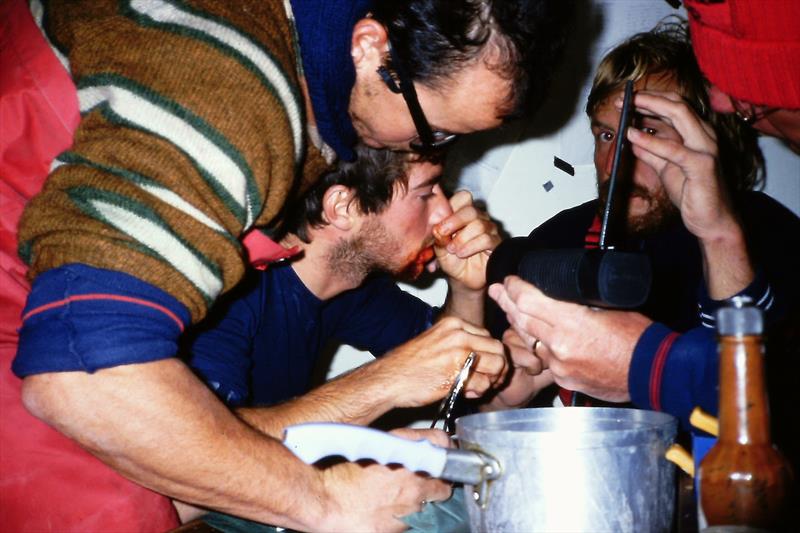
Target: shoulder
[575, 219]
[761, 210]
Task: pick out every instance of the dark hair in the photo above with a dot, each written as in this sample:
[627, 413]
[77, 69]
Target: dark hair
[436, 38]
[667, 50]
[374, 177]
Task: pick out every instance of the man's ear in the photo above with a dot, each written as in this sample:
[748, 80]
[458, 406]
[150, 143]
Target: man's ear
[369, 43]
[338, 207]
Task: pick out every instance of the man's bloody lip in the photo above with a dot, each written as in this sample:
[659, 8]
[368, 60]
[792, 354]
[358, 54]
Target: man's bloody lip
[416, 266]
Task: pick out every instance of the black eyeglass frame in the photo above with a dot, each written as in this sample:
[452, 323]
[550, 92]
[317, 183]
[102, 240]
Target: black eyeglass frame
[429, 140]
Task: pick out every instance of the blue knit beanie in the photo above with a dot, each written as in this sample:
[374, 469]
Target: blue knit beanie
[325, 29]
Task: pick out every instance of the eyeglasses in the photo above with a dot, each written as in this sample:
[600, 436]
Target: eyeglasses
[750, 113]
[427, 140]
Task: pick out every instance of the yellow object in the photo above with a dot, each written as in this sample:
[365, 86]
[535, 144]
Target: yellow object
[702, 420]
[678, 455]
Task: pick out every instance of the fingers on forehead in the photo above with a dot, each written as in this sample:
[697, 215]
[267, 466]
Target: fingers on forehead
[677, 112]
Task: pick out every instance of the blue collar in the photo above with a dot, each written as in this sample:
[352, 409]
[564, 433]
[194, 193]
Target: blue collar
[325, 28]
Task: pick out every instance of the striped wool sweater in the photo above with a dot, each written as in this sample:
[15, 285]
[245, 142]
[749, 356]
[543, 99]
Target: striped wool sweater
[192, 131]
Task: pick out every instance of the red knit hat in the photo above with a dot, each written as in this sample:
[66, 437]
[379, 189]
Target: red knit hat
[750, 49]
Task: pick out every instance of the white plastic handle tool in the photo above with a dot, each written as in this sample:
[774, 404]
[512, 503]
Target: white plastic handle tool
[314, 441]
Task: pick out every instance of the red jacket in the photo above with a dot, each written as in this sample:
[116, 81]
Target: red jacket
[47, 482]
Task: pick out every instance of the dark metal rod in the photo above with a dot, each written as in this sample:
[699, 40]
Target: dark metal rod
[624, 121]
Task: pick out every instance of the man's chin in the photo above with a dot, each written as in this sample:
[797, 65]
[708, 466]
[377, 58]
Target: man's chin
[638, 207]
[416, 266]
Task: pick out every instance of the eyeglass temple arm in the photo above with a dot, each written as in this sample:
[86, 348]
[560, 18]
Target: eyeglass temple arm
[409, 94]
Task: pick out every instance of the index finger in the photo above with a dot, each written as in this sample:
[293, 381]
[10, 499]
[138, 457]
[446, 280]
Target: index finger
[533, 302]
[461, 199]
[695, 132]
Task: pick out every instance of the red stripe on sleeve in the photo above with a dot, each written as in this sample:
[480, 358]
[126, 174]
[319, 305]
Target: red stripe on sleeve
[99, 296]
[658, 369]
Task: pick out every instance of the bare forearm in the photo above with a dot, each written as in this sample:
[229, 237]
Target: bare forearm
[520, 391]
[726, 263]
[358, 397]
[465, 303]
[158, 425]
[413, 374]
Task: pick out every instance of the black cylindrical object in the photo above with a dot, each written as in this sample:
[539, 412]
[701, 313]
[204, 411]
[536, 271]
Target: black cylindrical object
[602, 278]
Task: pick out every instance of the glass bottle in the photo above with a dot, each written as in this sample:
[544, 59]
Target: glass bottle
[744, 479]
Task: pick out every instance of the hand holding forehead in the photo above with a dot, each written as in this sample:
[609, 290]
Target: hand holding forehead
[671, 108]
[689, 169]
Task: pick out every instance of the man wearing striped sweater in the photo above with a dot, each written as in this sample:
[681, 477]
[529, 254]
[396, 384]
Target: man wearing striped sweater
[198, 120]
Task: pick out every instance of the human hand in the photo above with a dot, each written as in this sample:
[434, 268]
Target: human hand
[529, 376]
[585, 349]
[689, 171]
[374, 497]
[422, 370]
[687, 166]
[464, 241]
[434, 436]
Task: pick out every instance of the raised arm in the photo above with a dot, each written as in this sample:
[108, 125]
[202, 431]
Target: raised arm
[464, 242]
[690, 173]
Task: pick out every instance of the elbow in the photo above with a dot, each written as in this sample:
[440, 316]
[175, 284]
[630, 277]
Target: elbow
[40, 397]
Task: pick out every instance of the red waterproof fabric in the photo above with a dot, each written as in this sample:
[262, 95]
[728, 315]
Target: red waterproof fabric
[47, 482]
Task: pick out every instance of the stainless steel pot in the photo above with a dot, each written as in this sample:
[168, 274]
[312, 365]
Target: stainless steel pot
[573, 469]
[560, 469]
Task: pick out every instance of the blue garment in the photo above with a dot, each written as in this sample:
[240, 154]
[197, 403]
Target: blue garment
[259, 346]
[676, 373]
[81, 318]
[675, 365]
[325, 29]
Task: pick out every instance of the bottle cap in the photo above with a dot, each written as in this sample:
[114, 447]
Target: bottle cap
[740, 317]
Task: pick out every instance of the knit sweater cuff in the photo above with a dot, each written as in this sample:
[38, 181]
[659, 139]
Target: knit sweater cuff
[759, 290]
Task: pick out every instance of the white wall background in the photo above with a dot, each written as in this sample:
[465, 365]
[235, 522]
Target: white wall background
[512, 169]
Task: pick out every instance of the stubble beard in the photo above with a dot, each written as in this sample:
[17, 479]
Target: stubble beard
[661, 211]
[370, 251]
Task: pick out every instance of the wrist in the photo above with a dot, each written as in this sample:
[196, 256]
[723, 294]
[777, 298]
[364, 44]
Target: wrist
[728, 235]
[463, 290]
[726, 263]
[325, 512]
